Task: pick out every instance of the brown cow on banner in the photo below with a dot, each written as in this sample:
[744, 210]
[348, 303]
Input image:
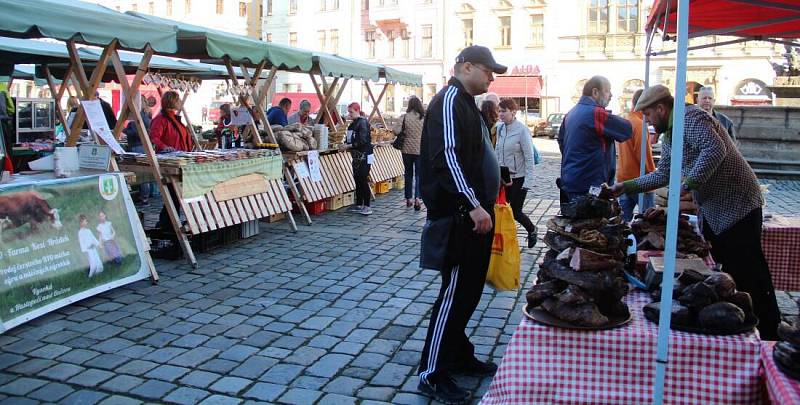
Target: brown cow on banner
[27, 207]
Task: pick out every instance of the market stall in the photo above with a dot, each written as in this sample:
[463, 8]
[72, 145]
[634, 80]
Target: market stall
[54, 256]
[781, 388]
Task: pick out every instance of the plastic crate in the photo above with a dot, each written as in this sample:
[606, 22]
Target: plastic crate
[399, 182]
[334, 203]
[249, 229]
[348, 199]
[381, 187]
[313, 208]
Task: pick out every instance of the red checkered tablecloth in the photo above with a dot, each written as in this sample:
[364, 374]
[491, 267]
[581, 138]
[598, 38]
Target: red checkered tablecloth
[780, 239]
[546, 365]
[782, 390]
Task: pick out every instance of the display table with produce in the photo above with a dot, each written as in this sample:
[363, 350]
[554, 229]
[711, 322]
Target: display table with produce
[221, 188]
[780, 238]
[548, 365]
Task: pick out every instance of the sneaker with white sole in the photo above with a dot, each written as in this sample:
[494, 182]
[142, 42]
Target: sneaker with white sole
[355, 208]
[366, 211]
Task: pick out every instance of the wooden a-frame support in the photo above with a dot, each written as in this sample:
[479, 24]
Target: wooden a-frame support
[85, 89]
[376, 102]
[259, 95]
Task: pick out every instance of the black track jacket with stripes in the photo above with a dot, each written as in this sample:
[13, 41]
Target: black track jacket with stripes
[451, 154]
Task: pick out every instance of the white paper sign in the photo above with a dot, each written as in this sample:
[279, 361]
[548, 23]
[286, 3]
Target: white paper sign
[370, 159]
[301, 169]
[240, 116]
[99, 125]
[94, 157]
[313, 166]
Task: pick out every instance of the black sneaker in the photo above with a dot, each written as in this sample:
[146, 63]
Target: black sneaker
[475, 368]
[532, 238]
[445, 391]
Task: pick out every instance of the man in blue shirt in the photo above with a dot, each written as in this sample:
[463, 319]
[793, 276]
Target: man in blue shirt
[278, 115]
[586, 139]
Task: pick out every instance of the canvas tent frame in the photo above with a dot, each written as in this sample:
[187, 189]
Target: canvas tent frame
[772, 21]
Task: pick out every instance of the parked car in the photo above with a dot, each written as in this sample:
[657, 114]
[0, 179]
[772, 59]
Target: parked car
[553, 124]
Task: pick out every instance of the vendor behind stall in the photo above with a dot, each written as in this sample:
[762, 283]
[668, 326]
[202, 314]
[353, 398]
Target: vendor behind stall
[303, 114]
[727, 191]
[277, 115]
[169, 134]
[227, 134]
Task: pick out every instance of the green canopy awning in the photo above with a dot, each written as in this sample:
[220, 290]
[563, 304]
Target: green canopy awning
[84, 22]
[197, 42]
[339, 66]
[393, 75]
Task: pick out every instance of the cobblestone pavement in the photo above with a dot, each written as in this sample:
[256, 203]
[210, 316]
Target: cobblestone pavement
[335, 313]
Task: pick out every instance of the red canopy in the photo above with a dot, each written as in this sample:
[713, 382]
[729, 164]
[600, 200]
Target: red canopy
[517, 86]
[743, 18]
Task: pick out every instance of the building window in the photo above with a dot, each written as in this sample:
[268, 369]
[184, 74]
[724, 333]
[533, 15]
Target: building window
[369, 36]
[335, 5]
[427, 41]
[151, 8]
[169, 7]
[405, 43]
[268, 37]
[598, 16]
[334, 41]
[365, 4]
[321, 40]
[381, 3]
[292, 7]
[390, 98]
[187, 6]
[468, 37]
[220, 7]
[390, 37]
[293, 39]
[269, 7]
[537, 29]
[628, 15]
[242, 9]
[119, 8]
[505, 31]
[135, 7]
[321, 5]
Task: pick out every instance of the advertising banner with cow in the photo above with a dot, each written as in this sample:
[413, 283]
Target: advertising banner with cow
[65, 240]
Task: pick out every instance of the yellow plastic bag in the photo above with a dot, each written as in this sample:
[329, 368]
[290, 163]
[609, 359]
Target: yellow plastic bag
[504, 264]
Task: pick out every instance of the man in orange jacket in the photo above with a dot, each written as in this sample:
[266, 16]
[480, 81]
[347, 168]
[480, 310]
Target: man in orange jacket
[629, 163]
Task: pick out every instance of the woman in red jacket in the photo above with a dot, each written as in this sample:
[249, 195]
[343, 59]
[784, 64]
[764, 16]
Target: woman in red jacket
[167, 132]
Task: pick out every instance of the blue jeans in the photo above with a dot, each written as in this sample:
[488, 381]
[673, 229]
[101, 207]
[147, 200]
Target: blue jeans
[411, 163]
[628, 202]
[145, 189]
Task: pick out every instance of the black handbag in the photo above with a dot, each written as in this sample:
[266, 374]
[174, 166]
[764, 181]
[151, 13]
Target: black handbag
[435, 240]
[401, 137]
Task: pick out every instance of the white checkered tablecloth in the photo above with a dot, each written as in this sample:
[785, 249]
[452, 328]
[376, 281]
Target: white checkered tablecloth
[782, 390]
[546, 365]
[780, 239]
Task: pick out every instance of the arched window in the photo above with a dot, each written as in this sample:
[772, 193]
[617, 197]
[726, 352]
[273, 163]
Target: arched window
[626, 98]
[578, 90]
[598, 17]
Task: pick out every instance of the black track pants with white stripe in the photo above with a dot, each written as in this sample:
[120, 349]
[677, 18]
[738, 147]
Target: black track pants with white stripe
[462, 284]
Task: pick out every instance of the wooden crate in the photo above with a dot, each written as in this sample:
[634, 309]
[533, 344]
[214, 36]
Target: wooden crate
[381, 187]
[334, 203]
[348, 199]
[275, 217]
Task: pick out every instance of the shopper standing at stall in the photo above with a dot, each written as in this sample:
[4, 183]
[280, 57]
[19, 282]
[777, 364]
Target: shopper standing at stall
[515, 151]
[227, 134]
[169, 134]
[460, 180]
[706, 100]
[411, 127]
[491, 115]
[586, 140]
[359, 142]
[277, 115]
[727, 191]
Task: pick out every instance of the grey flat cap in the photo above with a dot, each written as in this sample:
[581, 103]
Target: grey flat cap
[651, 95]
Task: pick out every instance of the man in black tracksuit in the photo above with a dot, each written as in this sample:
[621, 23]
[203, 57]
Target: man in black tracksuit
[460, 179]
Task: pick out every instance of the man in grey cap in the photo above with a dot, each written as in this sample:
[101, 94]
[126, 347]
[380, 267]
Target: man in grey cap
[460, 179]
[727, 191]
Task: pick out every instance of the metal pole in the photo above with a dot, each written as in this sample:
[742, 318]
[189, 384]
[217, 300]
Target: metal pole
[645, 132]
[673, 209]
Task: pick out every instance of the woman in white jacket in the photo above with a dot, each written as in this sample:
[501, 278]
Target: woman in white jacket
[515, 150]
